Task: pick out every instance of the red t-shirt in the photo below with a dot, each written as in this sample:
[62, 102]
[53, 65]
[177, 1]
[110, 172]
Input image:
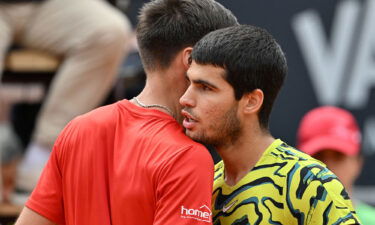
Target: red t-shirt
[122, 164]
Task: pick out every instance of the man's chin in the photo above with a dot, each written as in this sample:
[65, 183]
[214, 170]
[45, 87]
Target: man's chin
[197, 138]
[190, 134]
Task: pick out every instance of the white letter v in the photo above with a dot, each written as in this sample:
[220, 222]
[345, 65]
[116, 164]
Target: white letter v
[326, 62]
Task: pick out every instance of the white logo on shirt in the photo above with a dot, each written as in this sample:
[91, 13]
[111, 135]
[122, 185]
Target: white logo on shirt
[226, 208]
[202, 214]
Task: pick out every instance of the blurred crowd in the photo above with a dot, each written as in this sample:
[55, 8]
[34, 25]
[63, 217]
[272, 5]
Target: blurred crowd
[90, 39]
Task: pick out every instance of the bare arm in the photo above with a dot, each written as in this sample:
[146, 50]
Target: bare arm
[29, 217]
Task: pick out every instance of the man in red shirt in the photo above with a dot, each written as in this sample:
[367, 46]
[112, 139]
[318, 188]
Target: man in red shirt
[130, 162]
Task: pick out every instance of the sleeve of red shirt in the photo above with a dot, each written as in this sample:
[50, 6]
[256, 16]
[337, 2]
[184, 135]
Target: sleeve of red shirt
[184, 189]
[47, 199]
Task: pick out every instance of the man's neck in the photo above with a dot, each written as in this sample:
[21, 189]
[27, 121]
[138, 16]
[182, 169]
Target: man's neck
[159, 91]
[242, 156]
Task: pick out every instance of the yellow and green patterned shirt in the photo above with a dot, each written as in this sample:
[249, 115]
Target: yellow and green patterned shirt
[285, 187]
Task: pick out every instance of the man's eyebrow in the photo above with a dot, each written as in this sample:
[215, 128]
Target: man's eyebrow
[199, 81]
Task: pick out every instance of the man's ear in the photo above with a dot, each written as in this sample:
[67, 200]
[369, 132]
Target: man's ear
[186, 57]
[252, 101]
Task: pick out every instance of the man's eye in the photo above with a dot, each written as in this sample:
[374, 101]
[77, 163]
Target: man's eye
[205, 88]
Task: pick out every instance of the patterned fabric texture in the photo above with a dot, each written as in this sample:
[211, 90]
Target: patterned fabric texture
[286, 187]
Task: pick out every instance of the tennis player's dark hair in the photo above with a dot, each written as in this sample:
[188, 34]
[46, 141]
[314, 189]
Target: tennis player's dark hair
[252, 60]
[167, 26]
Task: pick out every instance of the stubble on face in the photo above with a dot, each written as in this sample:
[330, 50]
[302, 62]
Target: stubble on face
[222, 131]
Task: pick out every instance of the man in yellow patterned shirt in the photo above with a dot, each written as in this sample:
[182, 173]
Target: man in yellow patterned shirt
[235, 76]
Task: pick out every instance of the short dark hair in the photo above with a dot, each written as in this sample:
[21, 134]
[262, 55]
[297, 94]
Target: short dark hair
[167, 26]
[251, 58]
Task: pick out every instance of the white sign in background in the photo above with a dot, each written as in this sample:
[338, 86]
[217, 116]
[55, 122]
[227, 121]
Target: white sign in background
[342, 68]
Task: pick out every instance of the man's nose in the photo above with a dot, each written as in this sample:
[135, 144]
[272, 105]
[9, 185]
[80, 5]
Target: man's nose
[186, 99]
